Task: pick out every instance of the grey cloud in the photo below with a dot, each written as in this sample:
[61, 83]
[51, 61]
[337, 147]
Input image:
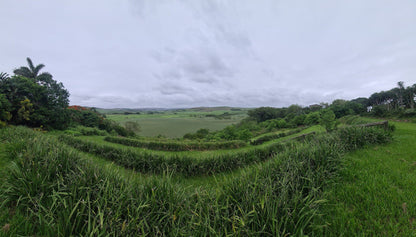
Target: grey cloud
[170, 88]
[199, 65]
[170, 53]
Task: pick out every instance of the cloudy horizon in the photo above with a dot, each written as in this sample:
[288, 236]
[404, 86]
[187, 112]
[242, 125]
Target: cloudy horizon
[177, 54]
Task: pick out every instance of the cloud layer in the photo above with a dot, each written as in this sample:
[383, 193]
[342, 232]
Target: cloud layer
[160, 53]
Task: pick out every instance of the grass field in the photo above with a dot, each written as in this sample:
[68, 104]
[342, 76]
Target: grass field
[375, 193]
[310, 187]
[177, 123]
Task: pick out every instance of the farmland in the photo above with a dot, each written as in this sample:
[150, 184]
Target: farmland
[176, 123]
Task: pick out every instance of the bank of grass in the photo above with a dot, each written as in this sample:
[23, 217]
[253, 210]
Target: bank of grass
[187, 164]
[200, 154]
[176, 145]
[52, 191]
[150, 162]
[272, 136]
[375, 192]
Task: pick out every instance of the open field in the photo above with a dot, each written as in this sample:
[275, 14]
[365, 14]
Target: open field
[103, 188]
[176, 123]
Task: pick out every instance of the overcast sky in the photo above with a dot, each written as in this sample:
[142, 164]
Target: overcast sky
[188, 53]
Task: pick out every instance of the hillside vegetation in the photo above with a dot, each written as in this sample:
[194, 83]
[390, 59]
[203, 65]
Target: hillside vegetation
[52, 189]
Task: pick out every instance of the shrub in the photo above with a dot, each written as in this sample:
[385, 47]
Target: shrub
[328, 120]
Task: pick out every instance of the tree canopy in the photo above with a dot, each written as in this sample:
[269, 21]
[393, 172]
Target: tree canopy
[35, 99]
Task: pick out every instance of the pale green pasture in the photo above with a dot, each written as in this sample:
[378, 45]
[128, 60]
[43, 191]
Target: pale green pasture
[177, 124]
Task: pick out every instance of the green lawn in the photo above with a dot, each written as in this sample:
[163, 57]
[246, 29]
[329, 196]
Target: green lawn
[375, 194]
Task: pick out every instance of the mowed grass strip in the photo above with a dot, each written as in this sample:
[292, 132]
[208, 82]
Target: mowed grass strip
[375, 194]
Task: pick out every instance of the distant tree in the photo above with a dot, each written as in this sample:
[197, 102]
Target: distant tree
[33, 72]
[361, 100]
[49, 102]
[328, 120]
[263, 113]
[400, 93]
[36, 99]
[5, 108]
[132, 127]
[313, 118]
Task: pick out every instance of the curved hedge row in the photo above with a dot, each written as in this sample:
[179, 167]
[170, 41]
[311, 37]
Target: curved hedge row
[148, 162]
[176, 146]
[266, 138]
[61, 194]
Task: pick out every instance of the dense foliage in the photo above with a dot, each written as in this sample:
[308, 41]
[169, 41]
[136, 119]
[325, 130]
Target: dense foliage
[34, 99]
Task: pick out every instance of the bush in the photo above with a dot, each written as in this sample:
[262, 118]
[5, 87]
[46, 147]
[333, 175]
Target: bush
[328, 120]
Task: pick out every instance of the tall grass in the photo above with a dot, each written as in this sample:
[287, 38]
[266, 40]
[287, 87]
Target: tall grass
[57, 193]
[268, 137]
[187, 165]
[176, 145]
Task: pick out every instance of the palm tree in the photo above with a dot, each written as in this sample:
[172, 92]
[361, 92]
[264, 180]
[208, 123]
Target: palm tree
[400, 93]
[3, 76]
[33, 72]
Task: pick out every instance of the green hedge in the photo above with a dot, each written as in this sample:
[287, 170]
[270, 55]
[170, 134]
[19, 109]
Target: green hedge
[266, 138]
[148, 162]
[176, 146]
[52, 190]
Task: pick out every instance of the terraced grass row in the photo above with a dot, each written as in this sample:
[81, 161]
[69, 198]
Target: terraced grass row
[265, 138]
[176, 146]
[187, 165]
[51, 191]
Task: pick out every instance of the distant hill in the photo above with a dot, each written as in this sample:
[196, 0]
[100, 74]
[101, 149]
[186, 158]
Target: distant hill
[141, 110]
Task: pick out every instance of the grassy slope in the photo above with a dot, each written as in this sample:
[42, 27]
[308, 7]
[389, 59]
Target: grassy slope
[199, 154]
[375, 194]
[3, 159]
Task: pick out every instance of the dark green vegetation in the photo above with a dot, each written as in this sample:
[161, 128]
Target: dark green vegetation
[34, 99]
[176, 146]
[51, 189]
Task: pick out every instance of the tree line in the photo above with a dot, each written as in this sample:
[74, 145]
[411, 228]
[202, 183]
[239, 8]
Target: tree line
[34, 99]
[396, 102]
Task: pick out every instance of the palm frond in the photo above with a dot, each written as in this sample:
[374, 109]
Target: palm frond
[24, 71]
[3, 76]
[37, 69]
[29, 61]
